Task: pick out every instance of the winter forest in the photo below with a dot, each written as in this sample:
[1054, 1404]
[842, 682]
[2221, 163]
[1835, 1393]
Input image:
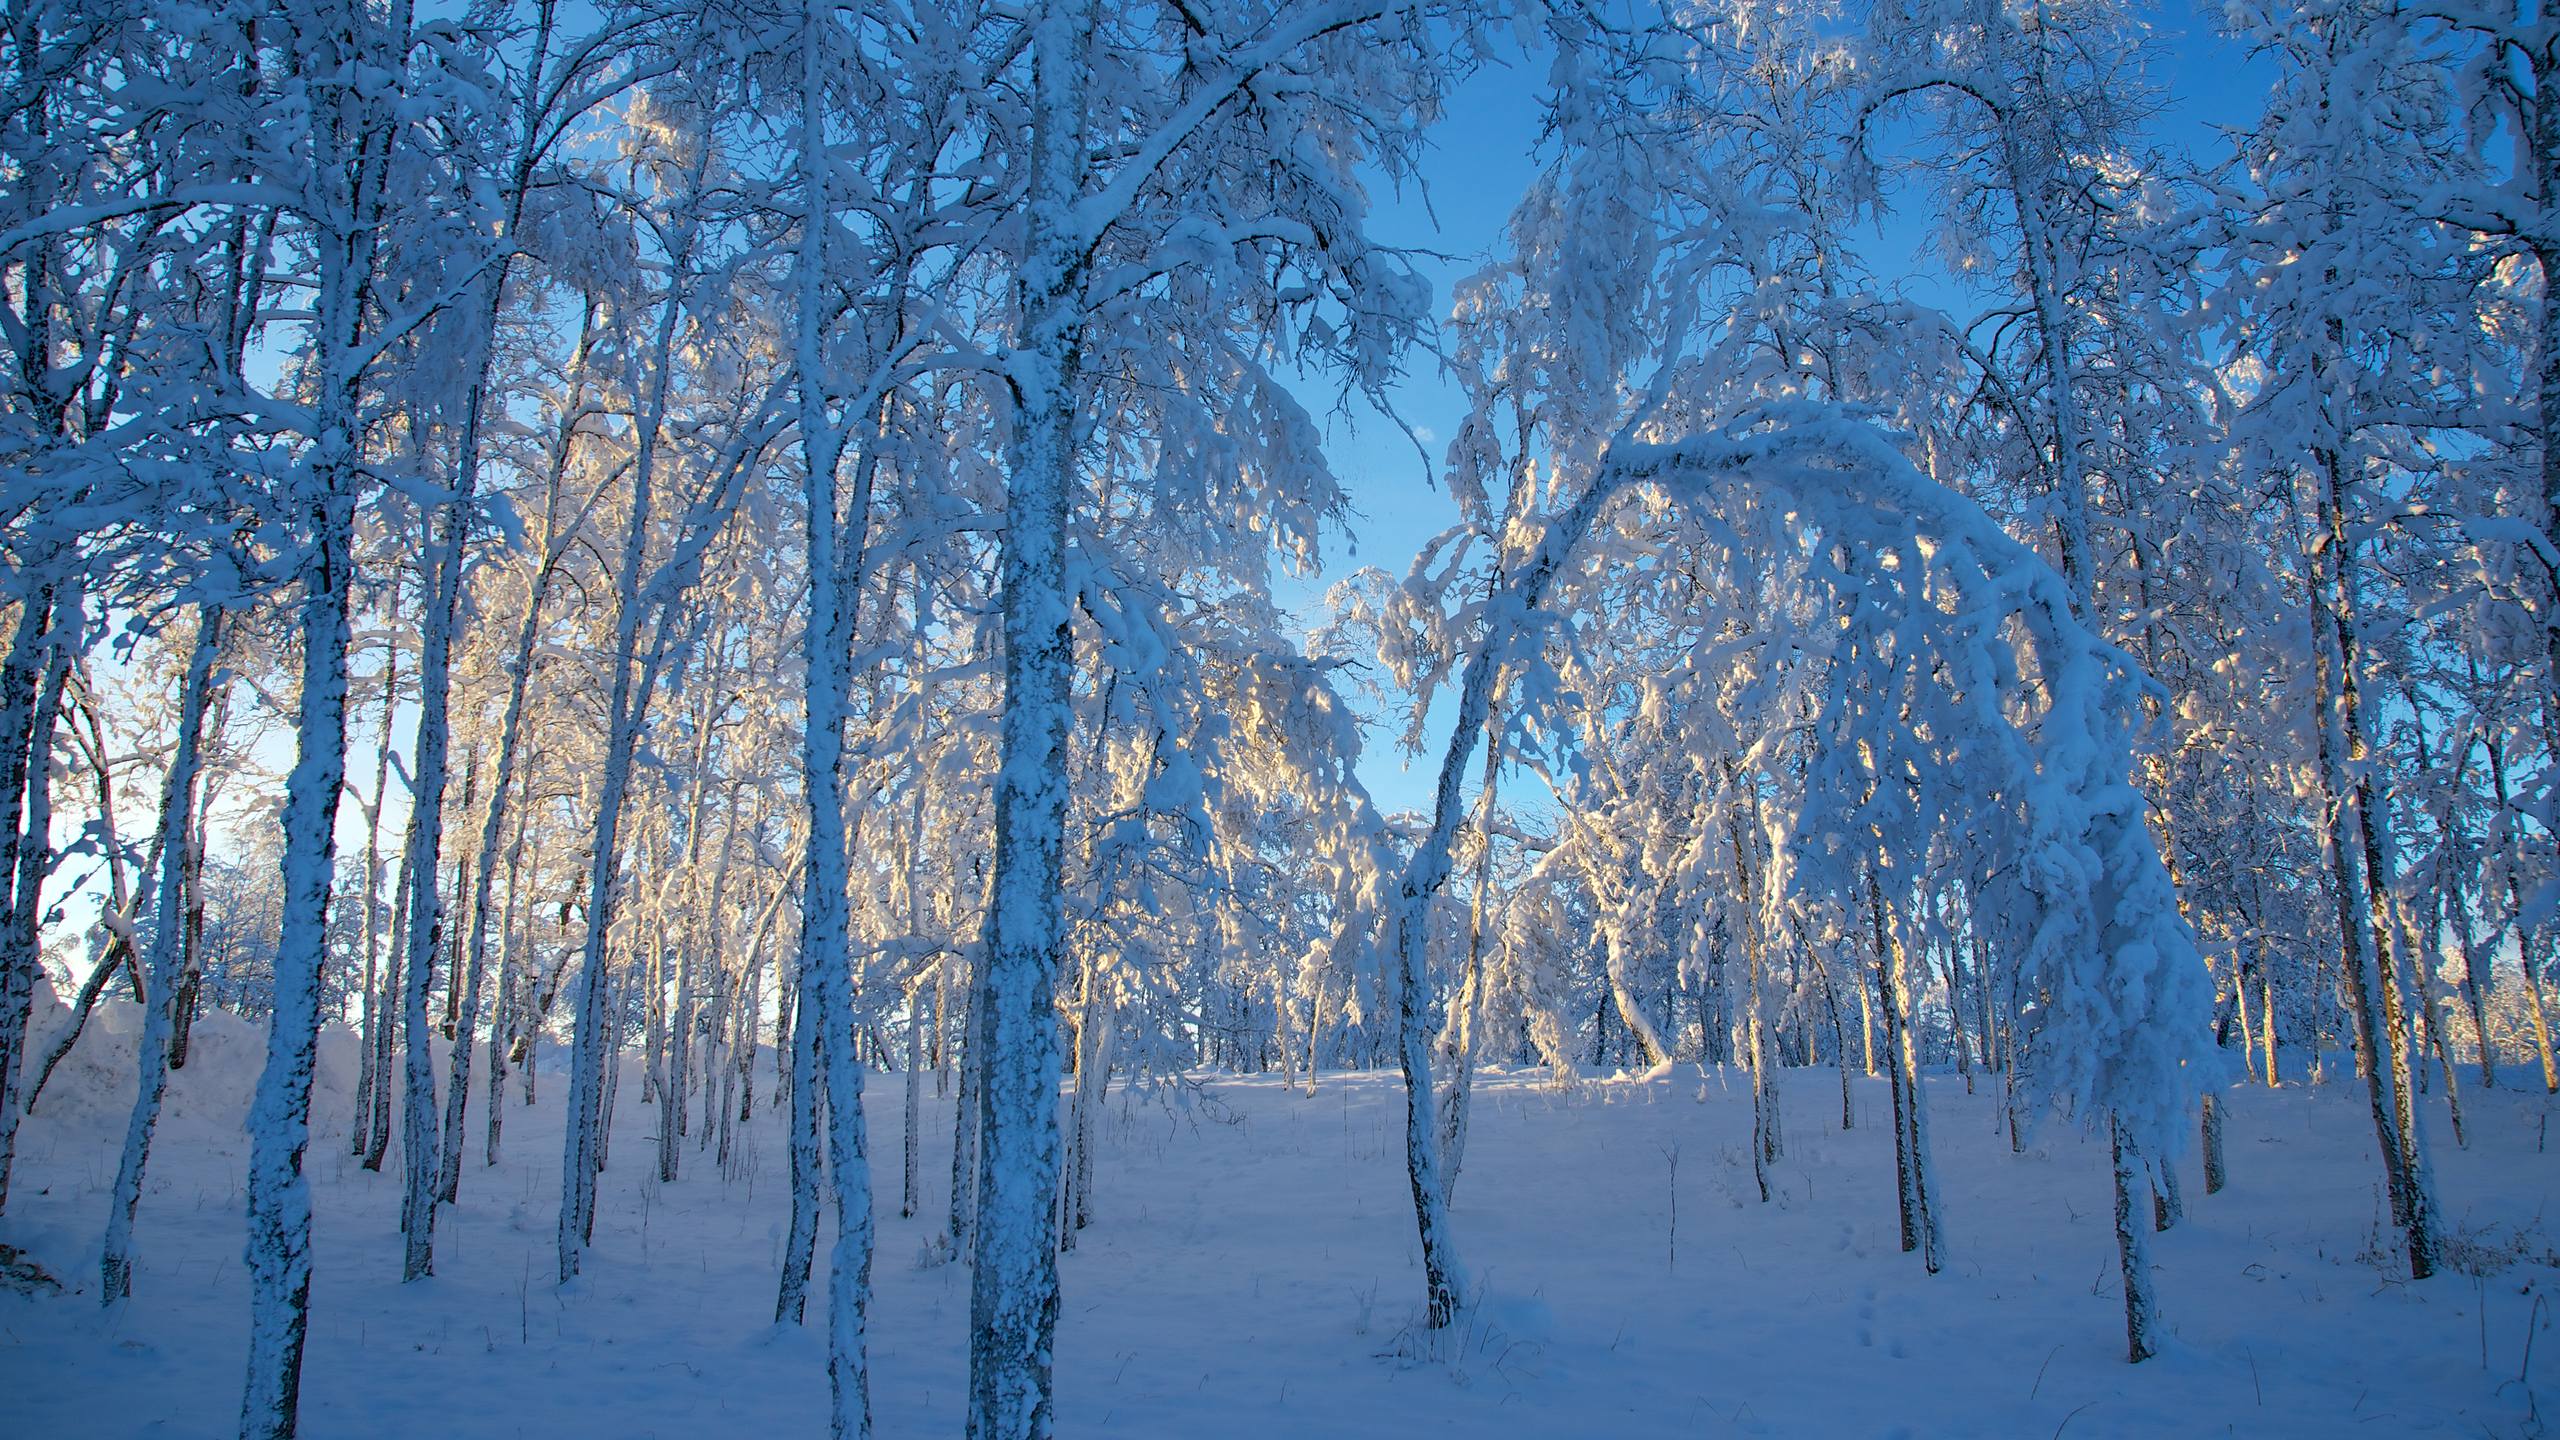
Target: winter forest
[1335, 717]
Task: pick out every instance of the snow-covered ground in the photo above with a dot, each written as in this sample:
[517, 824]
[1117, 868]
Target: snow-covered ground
[1252, 1271]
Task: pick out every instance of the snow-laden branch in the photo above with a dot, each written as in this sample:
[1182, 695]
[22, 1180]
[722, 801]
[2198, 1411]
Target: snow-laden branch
[2120, 1027]
[1096, 213]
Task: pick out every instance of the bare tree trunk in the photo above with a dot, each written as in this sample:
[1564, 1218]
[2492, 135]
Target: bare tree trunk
[116, 958]
[151, 1056]
[2351, 843]
[963, 1226]
[1458, 1036]
[584, 1136]
[423, 905]
[279, 1197]
[2168, 1206]
[1623, 995]
[1013, 1295]
[2213, 1164]
[1920, 1222]
[369, 1042]
[2433, 1002]
[1093, 1080]
[908, 1184]
[1867, 1027]
[385, 1035]
[2267, 1024]
[30, 694]
[2133, 1254]
[1766, 1144]
[800, 1247]
[512, 985]
[2526, 936]
[1839, 1043]
[942, 1028]
[617, 1027]
[191, 940]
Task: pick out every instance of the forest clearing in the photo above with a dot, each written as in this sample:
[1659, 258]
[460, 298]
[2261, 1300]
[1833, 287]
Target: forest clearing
[1251, 1271]
[1537, 717]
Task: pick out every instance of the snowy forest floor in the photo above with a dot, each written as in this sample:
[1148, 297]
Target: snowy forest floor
[1252, 1270]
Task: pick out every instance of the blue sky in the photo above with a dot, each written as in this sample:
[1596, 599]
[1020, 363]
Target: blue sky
[1481, 161]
